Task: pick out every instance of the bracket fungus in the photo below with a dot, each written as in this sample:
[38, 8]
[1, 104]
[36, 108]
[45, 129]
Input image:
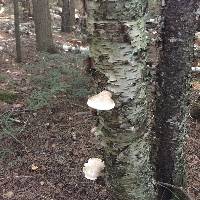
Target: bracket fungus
[92, 169]
[101, 101]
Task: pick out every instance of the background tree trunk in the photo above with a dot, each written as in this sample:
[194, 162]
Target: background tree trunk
[17, 31]
[118, 45]
[42, 19]
[60, 3]
[198, 16]
[198, 24]
[27, 10]
[172, 92]
[68, 16]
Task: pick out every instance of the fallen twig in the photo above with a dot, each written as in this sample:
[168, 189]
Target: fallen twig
[82, 113]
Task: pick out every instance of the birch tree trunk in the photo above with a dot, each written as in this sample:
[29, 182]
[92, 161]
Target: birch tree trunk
[118, 47]
[172, 93]
[42, 20]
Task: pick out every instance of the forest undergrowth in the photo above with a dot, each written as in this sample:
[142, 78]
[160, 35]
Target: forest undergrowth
[45, 125]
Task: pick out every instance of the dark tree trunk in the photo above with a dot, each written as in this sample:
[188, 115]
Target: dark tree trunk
[198, 24]
[68, 16]
[172, 93]
[42, 19]
[17, 31]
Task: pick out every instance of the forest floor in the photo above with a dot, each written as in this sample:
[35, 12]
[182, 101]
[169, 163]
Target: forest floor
[45, 125]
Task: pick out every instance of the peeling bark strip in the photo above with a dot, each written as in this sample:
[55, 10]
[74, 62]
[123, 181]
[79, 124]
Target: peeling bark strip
[172, 92]
[118, 47]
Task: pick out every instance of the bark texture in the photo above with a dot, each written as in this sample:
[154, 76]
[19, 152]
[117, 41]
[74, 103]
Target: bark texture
[172, 93]
[42, 19]
[17, 31]
[118, 47]
[68, 16]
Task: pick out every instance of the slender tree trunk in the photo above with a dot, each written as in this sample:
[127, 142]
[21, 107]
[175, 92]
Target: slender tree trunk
[42, 19]
[198, 16]
[198, 24]
[26, 10]
[172, 93]
[118, 48]
[59, 3]
[17, 31]
[68, 16]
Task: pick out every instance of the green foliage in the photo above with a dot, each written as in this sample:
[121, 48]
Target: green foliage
[3, 77]
[7, 126]
[7, 96]
[38, 99]
[8, 129]
[4, 153]
[54, 74]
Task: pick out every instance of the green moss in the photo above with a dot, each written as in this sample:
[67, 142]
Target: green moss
[51, 75]
[7, 96]
[3, 77]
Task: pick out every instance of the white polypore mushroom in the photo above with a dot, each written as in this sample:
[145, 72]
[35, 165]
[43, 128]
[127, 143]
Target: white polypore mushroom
[92, 169]
[101, 101]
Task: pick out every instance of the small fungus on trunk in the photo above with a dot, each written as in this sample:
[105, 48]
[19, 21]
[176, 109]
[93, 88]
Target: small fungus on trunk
[101, 101]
